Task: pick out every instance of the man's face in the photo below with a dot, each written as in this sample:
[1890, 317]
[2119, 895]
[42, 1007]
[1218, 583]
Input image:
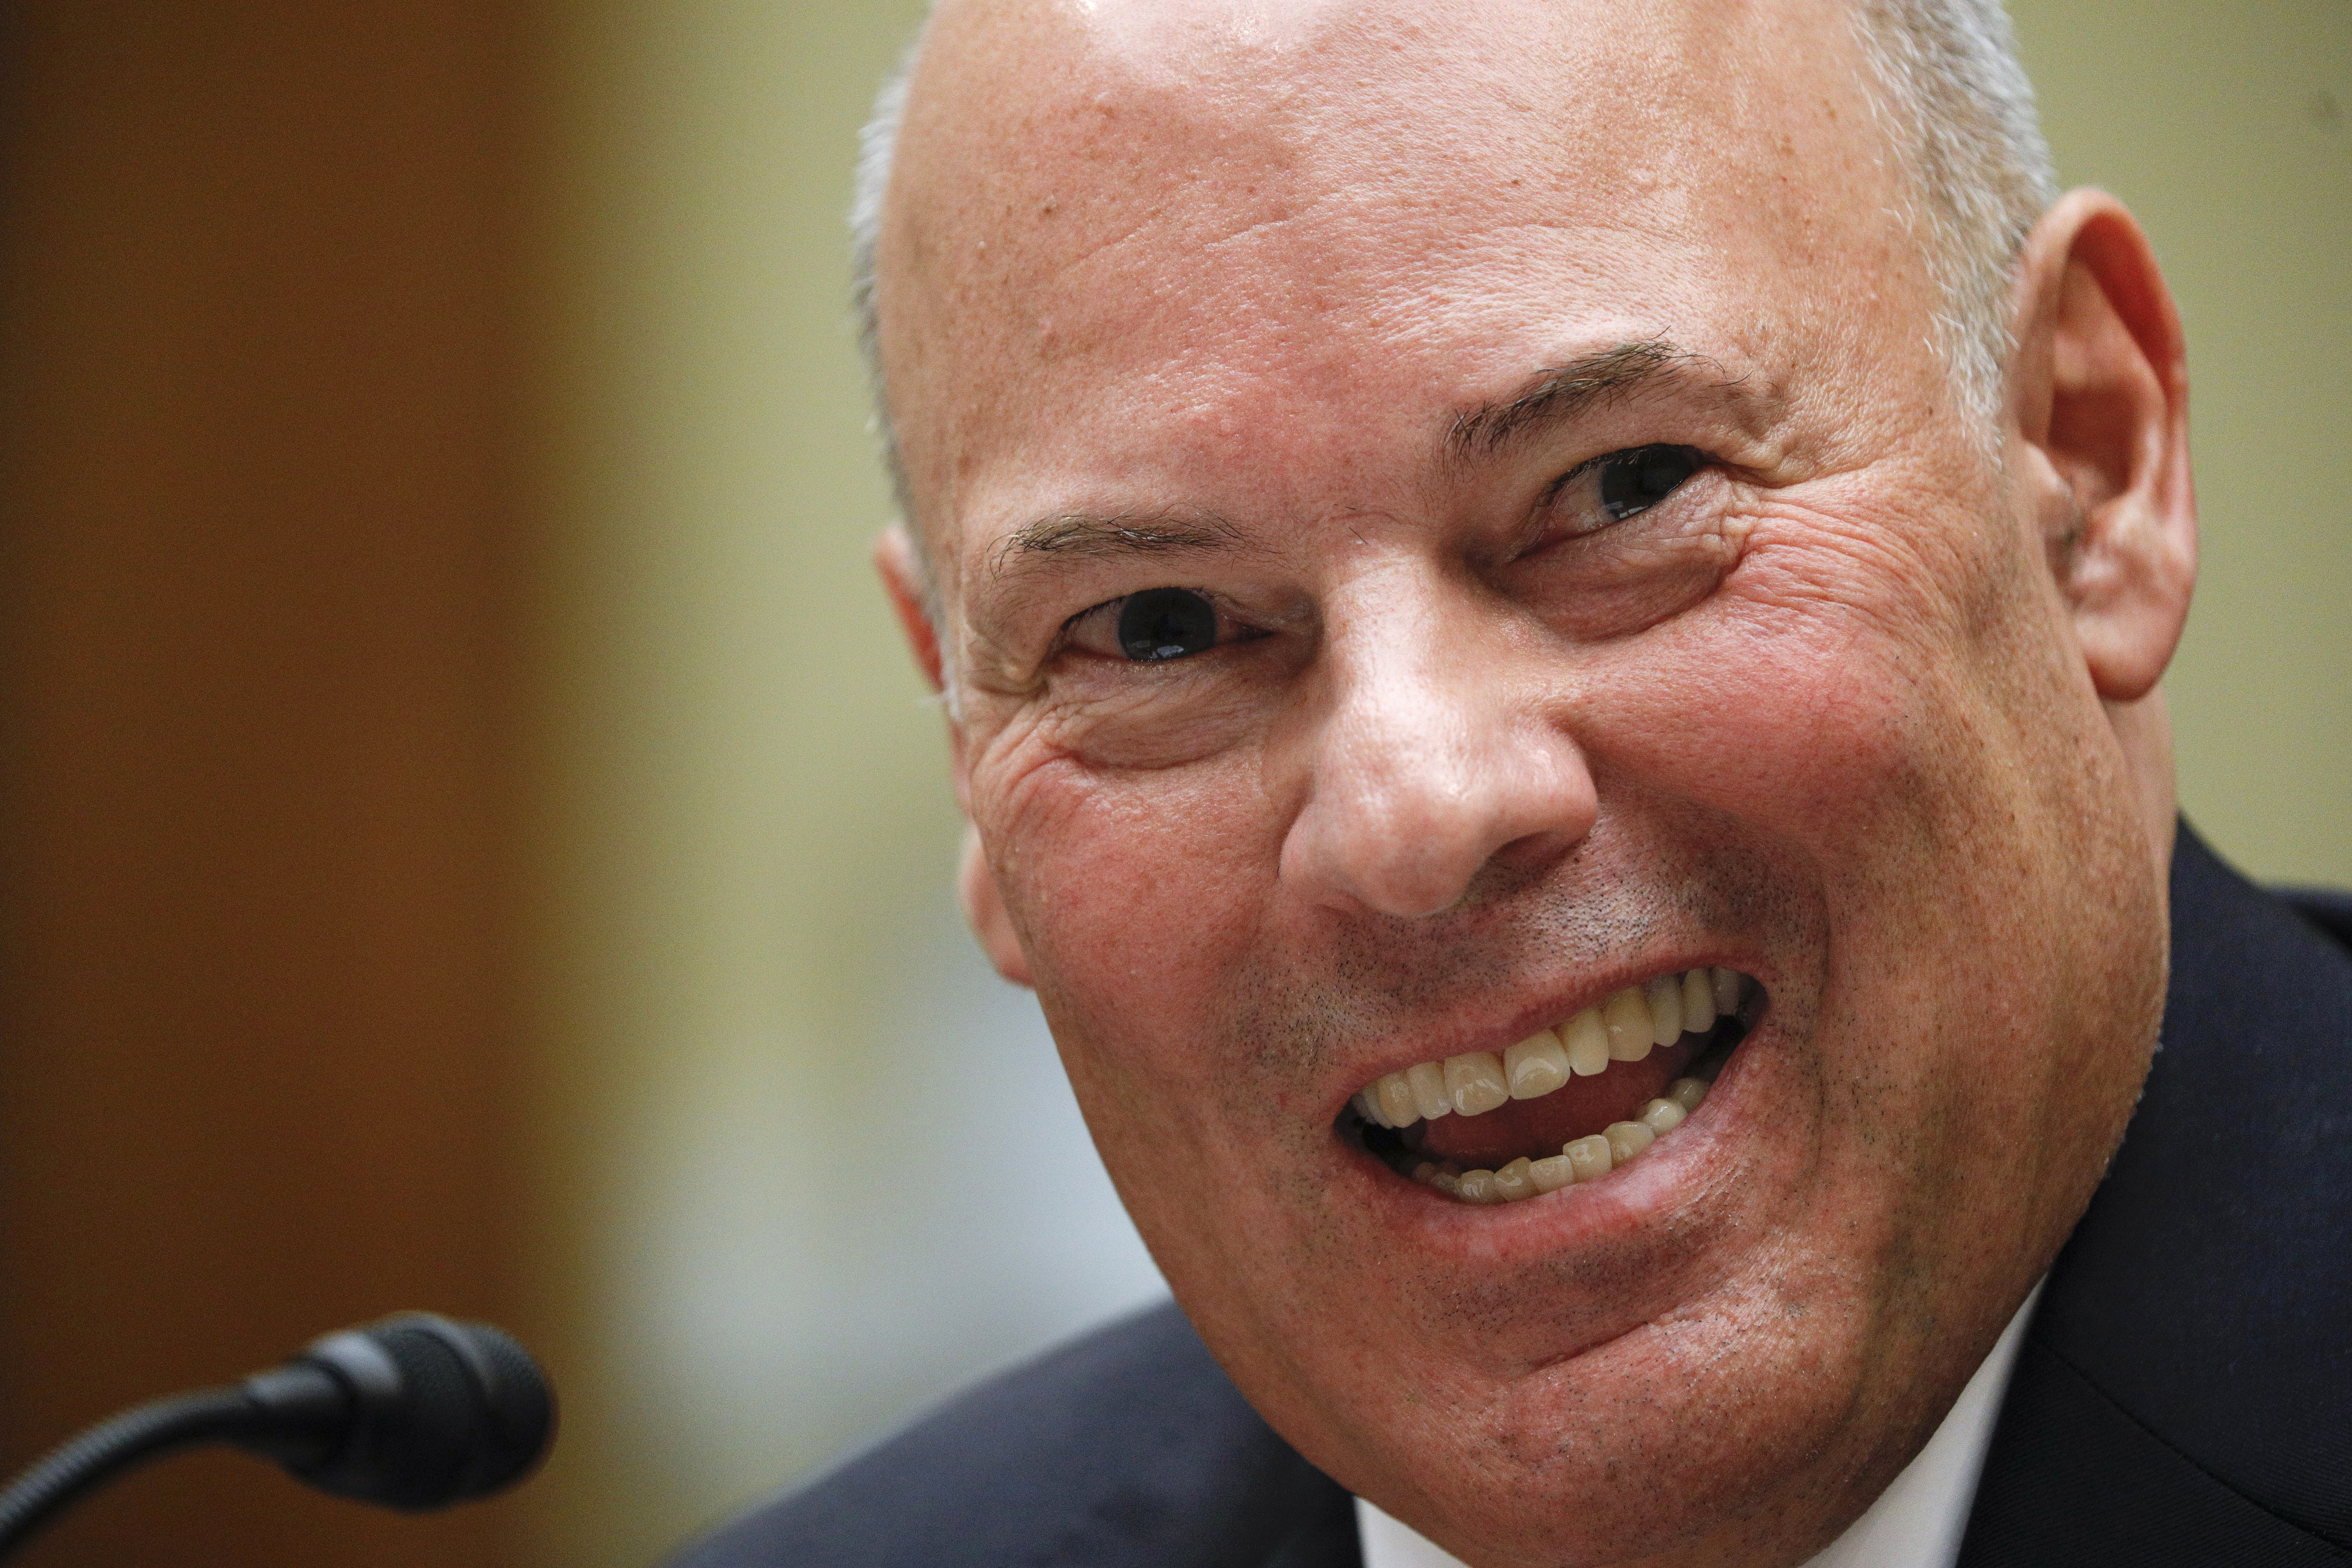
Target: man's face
[1443, 517]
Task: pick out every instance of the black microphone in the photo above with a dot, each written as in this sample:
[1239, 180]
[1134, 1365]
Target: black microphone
[415, 1412]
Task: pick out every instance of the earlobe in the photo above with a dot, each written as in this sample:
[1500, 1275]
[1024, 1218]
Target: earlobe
[2099, 390]
[904, 579]
[983, 909]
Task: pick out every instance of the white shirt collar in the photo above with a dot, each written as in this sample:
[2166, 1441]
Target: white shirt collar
[1916, 1521]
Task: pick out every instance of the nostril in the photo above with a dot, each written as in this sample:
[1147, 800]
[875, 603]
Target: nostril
[1534, 852]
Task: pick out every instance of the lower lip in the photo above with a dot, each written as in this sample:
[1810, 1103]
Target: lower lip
[1625, 1206]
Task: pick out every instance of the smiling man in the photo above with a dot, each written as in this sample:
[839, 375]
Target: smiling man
[1551, 614]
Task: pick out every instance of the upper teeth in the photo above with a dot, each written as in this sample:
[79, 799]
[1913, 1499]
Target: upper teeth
[1622, 1028]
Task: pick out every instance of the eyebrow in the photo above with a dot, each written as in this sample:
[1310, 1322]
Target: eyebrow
[1089, 535]
[1561, 391]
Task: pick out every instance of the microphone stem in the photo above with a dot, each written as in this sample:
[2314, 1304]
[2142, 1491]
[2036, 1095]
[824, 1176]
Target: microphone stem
[145, 1433]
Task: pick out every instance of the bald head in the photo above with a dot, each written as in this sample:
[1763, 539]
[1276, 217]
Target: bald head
[1938, 99]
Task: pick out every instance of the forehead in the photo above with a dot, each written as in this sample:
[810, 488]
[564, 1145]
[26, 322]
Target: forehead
[1124, 236]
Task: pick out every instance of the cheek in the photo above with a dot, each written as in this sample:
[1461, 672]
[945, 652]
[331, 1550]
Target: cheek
[1825, 690]
[1927, 752]
[1833, 697]
[1810, 728]
[1133, 893]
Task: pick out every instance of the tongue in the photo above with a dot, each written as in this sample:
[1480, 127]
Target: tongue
[1536, 1128]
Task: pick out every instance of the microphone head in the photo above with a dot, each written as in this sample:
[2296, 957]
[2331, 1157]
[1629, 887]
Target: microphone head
[440, 1411]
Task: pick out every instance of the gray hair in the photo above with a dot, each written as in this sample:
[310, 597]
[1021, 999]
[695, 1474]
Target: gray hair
[1961, 114]
[875, 144]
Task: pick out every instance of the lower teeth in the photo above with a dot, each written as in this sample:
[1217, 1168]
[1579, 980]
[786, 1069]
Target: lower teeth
[1586, 1159]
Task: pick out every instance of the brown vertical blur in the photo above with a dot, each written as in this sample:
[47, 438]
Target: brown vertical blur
[256, 552]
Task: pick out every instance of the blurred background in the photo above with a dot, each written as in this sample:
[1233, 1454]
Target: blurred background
[468, 835]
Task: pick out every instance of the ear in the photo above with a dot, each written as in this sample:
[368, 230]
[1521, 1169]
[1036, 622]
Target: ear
[984, 907]
[984, 912]
[2099, 387]
[904, 578]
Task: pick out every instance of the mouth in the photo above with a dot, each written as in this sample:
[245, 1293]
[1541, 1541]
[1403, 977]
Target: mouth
[1567, 1105]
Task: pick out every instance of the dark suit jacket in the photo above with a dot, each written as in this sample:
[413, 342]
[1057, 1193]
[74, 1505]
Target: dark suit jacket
[2184, 1395]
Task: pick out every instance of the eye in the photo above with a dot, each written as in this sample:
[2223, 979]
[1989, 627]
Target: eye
[1166, 623]
[1156, 625]
[1639, 478]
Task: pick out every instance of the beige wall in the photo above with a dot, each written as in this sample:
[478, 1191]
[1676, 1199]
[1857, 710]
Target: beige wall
[802, 1164]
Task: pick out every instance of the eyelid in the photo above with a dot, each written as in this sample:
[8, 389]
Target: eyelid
[1551, 491]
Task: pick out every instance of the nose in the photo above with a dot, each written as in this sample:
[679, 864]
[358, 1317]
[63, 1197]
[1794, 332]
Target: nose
[1438, 747]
